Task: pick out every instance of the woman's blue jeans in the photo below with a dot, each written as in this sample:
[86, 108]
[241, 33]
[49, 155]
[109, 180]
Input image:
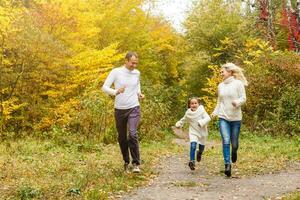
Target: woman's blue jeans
[230, 131]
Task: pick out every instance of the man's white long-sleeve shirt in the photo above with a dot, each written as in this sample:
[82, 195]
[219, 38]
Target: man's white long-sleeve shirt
[123, 77]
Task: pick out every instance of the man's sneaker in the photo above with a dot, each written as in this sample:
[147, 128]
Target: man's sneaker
[126, 167]
[199, 155]
[136, 169]
[233, 156]
[192, 165]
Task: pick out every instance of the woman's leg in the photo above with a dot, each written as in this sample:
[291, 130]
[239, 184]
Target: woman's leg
[225, 134]
[235, 132]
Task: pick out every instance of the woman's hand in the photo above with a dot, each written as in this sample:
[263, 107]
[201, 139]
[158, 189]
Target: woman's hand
[234, 103]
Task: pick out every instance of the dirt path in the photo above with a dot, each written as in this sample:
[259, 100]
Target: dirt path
[176, 181]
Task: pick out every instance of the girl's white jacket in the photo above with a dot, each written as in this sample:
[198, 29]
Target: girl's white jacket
[198, 121]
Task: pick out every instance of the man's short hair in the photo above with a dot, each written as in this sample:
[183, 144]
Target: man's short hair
[130, 54]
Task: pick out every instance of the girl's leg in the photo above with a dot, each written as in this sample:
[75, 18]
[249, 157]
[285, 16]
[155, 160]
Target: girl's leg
[225, 134]
[199, 154]
[193, 150]
[235, 132]
[192, 155]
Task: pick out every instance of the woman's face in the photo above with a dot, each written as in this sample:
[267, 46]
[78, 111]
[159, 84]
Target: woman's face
[225, 74]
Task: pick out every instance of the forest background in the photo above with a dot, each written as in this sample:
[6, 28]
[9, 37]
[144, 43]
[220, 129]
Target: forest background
[55, 55]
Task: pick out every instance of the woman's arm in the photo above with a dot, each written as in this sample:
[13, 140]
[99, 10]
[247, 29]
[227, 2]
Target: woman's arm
[241, 95]
[204, 121]
[216, 110]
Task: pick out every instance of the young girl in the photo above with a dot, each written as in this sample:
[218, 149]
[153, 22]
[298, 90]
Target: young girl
[198, 119]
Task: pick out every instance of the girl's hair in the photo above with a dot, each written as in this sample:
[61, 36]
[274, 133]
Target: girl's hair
[237, 72]
[190, 99]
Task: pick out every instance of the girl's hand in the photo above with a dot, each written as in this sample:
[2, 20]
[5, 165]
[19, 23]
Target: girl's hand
[175, 127]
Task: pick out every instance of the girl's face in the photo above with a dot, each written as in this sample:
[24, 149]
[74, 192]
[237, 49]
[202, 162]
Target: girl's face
[225, 74]
[194, 104]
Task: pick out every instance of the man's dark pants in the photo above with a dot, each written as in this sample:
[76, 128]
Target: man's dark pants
[128, 117]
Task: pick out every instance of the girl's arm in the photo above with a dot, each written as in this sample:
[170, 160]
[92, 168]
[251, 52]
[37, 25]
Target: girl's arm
[181, 122]
[204, 121]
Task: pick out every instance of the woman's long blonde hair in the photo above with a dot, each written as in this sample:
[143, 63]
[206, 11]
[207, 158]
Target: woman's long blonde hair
[237, 72]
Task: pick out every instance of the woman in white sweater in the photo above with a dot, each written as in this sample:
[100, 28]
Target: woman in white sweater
[198, 119]
[231, 96]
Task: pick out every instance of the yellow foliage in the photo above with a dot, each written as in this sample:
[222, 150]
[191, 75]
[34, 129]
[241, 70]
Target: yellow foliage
[9, 106]
[212, 88]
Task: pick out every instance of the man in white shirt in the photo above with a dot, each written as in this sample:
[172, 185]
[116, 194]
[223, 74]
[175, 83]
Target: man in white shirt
[127, 92]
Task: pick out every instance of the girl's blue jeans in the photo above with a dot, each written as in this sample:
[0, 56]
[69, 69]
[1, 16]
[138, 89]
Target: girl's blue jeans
[193, 148]
[230, 131]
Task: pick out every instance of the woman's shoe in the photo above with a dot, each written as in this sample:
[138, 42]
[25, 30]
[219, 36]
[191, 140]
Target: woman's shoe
[192, 165]
[227, 170]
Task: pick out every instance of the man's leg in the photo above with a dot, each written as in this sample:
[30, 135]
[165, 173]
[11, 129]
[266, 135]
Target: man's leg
[121, 125]
[133, 141]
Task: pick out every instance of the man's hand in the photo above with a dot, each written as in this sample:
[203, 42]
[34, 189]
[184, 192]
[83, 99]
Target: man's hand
[121, 90]
[141, 96]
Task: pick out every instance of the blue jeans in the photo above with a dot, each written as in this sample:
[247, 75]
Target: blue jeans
[230, 131]
[193, 148]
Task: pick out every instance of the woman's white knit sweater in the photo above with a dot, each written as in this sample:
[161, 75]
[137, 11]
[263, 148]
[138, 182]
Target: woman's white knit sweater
[230, 90]
[198, 121]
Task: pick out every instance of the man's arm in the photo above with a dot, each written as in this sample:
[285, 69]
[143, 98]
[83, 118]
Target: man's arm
[139, 91]
[107, 84]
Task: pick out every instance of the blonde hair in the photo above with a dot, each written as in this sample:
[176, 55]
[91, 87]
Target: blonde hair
[236, 71]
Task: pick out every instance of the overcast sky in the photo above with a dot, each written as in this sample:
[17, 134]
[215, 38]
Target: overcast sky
[174, 11]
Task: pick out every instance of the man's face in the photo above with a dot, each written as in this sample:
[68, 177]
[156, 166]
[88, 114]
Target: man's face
[132, 63]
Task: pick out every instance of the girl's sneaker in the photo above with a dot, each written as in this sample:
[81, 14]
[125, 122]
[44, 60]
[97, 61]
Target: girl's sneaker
[192, 165]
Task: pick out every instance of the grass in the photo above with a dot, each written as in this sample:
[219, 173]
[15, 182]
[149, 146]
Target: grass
[258, 154]
[292, 196]
[69, 168]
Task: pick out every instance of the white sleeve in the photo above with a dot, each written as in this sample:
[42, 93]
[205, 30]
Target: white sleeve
[108, 82]
[181, 122]
[216, 110]
[204, 121]
[139, 88]
[241, 94]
